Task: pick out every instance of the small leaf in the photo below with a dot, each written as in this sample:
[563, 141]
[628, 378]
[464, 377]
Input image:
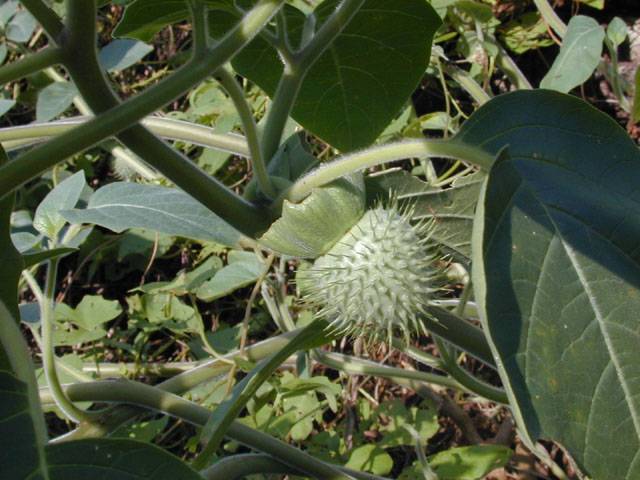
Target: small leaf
[469, 463]
[53, 100]
[636, 98]
[8, 10]
[617, 31]
[34, 258]
[122, 53]
[122, 205]
[21, 27]
[370, 458]
[579, 55]
[47, 219]
[244, 269]
[6, 105]
[91, 312]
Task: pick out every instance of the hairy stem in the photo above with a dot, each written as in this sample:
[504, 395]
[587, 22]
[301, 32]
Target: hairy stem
[383, 154]
[171, 129]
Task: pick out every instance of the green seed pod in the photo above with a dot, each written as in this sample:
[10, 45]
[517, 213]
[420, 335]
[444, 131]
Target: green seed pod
[310, 228]
[378, 279]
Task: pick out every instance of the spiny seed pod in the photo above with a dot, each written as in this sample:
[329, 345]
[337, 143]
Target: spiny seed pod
[378, 279]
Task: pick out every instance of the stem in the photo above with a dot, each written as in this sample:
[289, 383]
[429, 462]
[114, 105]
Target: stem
[240, 466]
[465, 378]
[295, 71]
[358, 366]
[164, 127]
[468, 83]
[386, 153]
[124, 391]
[48, 353]
[550, 16]
[83, 67]
[236, 93]
[199, 27]
[510, 68]
[45, 17]
[30, 64]
[615, 75]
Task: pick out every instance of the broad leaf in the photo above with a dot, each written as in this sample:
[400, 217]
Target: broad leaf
[122, 205]
[360, 83]
[469, 463]
[53, 100]
[21, 27]
[556, 268]
[142, 19]
[116, 459]
[47, 219]
[244, 269]
[22, 429]
[122, 53]
[579, 55]
[452, 208]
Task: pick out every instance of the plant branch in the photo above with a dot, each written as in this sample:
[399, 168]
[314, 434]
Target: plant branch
[231, 86]
[550, 16]
[82, 66]
[125, 391]
[383, 154]
[171, 129]
[48, 353]
[295, 71]
[45, 17]
[30, 64]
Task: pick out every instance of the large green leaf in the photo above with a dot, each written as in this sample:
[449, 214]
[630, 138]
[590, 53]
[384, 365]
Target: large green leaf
[579, 55]
[122, 205]
[116, 459]
[364, 77]
[452, 208]
[556, 268]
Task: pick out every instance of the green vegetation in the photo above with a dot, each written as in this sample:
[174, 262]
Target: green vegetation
[338, 239]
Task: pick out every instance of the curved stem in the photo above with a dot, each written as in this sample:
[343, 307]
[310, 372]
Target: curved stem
[199, 27]
[358, 366]
[48, 353]
[239, 466]
[30, 64]
[124, 391]
[82, 66]
[383, 154]
[230, 84]
[550, 16]
[171, 129]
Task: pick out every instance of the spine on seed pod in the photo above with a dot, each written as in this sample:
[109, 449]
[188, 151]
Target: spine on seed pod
[375, 271]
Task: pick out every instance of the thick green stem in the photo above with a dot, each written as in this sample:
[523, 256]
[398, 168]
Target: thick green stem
[30, 64]
[295, 71]
[171, 129]
[87, 76]
[240, 466]
[123, 391]
[383, 154]
[236, 93]
[465, 80]
[45, 17]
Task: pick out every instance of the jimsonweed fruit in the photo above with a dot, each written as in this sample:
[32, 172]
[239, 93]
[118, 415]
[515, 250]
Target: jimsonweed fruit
[378, 278]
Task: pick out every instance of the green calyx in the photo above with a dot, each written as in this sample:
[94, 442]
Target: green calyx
[310, 228]
[378, 279]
